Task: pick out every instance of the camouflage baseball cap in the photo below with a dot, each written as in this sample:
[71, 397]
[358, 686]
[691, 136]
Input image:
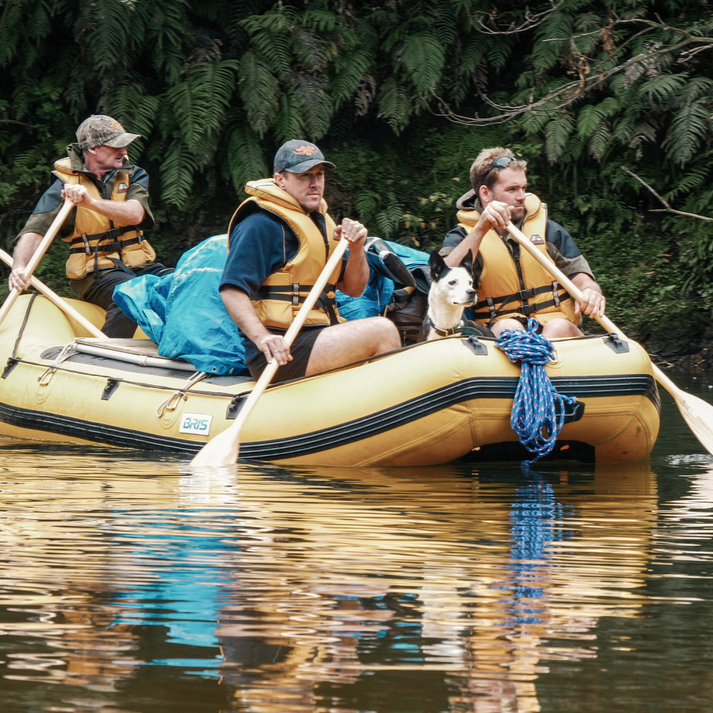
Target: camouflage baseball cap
[298, 156]
[101, 130]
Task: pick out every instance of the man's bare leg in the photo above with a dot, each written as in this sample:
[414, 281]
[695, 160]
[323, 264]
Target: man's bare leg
[351, 341]
[560, 328]
[502, 324]
[555, 328]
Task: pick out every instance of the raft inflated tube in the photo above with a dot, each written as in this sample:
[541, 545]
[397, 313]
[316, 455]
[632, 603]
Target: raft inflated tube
[135, 358]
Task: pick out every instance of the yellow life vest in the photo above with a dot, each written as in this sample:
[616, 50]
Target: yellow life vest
[517, 287]
[95, 243]
[279, 298]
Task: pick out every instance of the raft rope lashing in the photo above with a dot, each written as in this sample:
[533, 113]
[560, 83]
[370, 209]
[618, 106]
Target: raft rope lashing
[535, 418]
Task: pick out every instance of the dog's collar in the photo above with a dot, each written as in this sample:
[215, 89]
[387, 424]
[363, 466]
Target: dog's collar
[460, 329]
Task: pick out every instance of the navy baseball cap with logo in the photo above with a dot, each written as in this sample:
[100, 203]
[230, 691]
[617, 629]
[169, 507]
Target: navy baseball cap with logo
[298, 156]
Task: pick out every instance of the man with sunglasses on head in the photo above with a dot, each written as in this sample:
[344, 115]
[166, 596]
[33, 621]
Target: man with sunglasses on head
[512, 285]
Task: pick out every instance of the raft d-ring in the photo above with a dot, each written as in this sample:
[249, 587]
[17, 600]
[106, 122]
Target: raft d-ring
[555, 358]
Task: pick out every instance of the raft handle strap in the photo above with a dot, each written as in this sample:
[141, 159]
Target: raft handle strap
[171, 403]
[69, 350]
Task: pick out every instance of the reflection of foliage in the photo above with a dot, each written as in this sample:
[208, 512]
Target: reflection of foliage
[577, 87]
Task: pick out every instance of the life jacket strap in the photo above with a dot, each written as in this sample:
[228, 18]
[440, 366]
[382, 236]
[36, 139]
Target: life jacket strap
[82, 244]
[520, 296]
[297, 294]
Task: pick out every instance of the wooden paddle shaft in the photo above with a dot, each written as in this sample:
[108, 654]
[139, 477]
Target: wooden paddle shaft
[56, 300]
[299, 320]
[224, 448]
[38, 254]
[577, 295]
[559, 276]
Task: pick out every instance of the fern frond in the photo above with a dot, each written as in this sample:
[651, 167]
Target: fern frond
[199, 104]
[664, 87]
[591, 116]
[287, 122]
[557, 133]
[106, 32]
[499, 52]
[243, 160]
[313, 104]
[177, 167]
[321, 21]
[134, 108]
[259, 91]
[557, 30]
[165, 34]
[600, 141]
[689, 129]
[309, 50]
[473, 54]
[349, 70]
[422, 57]
[695, 178]
[366, 203]
[442, 20]
[394, 104]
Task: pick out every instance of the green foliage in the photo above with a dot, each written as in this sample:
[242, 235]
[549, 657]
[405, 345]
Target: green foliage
[579, 88]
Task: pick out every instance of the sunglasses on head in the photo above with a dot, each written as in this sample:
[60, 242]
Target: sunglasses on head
[502, 162]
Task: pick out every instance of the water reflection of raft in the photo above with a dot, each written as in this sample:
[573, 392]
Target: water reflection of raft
[425, 404]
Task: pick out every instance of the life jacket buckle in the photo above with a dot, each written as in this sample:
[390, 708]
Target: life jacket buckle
[555, 294]
[491, 306]
[87, 246]
[295, 294]
[524, 295]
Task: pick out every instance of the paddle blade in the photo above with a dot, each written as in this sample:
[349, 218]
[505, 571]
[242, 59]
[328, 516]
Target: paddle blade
[221, 450]
[698, 415]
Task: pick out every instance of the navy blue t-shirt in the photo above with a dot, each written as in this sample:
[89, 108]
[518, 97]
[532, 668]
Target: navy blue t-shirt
[260, 244]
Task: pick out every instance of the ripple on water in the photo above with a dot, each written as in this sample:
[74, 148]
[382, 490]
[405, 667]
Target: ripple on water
[129, 584]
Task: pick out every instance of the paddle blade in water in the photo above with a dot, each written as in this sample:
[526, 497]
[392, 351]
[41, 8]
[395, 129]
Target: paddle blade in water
[221, 450]
[698, 415]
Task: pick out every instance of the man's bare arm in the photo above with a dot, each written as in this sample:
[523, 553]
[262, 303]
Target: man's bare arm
[593, 302]
[356, 273]
[241, 311]
[495, 215]
[24, 250]
[121, 213]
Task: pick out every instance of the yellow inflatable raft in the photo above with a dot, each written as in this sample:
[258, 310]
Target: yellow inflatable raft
[426, 404]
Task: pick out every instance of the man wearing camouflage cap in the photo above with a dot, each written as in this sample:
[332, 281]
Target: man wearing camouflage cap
[280, 240]
[105, 233]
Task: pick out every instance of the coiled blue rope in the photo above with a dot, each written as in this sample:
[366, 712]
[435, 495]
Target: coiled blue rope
[534, 419]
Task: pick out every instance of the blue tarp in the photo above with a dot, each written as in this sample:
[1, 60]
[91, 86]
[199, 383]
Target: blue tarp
[183, 312]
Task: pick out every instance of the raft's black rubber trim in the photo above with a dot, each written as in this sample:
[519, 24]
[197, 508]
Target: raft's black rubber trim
[342, 433]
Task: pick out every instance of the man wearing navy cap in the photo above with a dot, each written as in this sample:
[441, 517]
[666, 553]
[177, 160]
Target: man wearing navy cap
[280, 240]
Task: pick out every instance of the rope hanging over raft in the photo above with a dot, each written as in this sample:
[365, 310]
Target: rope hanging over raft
[538, 409]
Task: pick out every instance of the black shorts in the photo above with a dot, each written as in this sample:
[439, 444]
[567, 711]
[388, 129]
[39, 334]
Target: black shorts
[301, 349]
[524, 322]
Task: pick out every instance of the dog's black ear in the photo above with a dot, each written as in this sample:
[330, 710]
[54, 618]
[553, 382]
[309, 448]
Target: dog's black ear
[437, 265]
[467, 263]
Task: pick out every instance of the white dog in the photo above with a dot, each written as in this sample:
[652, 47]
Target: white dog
[450, 293]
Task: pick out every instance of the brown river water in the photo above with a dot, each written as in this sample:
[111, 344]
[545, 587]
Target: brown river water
[130, 584]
